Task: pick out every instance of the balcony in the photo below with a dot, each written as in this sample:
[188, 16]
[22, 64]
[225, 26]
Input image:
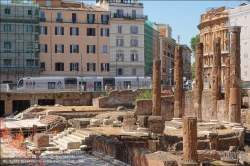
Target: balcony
[224, 51]
[42, 19]
[129, 16]
[59, 20]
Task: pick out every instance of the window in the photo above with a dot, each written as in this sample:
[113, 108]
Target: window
[227, 23]
[59, 48]
[245, 46]
[74, 31]
[74, 48]
[42, 17]
[104, 66]
[90, 49]
[90, 66]
[30, 62]
[119, 29]
[48, 2]
[6, 11]
[42, 66]
[7, 46]
[43, 30]
[134, 43]
[169, 55]
[227, 47]
[91, 18]
[133, 13]
[59, 30]
[7, 28]
[119, 71]
[29, 12]
[59, 66]
[119, 13]
[245, 73]
[227, 34]
[29, 47]
[214, 26]
[236, 20]
[104, 49]
[245, 18]
[169, 47]
[133, 71]
[134, 29]
[119, 42]
[214, 35]
[119, 57]
[7, 62]
[90, 31]
[164, 70]
[104, 32]
[59, 17]
[245, 31]
[73, 16]
[105, 19]
[74, 66]
[134, 57]
[43, 48]
[245, 60]
[29, 28]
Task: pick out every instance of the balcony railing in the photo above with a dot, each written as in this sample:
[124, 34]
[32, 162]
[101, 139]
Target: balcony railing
[77, 21]
[59, 20]
[42, 19]
[129, 16]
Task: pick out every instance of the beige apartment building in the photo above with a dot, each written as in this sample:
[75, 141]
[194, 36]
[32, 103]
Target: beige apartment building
[166, 47]
[74, 39]
[214, 23]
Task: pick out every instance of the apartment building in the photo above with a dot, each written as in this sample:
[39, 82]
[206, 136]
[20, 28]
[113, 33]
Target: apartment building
[19, 23]
[240, 16]
[151, 36]
[186, 54]
[126, 37]
[74, 39]
[166, 45]
[214, 23]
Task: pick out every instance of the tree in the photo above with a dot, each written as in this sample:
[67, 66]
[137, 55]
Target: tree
[193, 70]
[193, 41]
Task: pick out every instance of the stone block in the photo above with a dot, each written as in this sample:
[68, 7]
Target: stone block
[50, 112]
[156, 124]
[117, 124]
[41, 140]
[107, 121]
[143, 107]
[153, 145]
[129, 122]
[95, 122]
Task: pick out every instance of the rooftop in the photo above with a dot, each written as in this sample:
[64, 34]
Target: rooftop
[84, 8]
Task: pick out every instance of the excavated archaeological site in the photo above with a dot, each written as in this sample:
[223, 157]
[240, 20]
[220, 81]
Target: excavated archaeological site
[188, 128]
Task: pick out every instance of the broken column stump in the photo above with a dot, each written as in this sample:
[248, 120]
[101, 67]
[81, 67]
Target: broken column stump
[129, 122]
[156, 124]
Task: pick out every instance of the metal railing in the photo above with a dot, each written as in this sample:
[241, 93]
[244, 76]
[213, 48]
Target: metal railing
[128, 16]
[77, 21]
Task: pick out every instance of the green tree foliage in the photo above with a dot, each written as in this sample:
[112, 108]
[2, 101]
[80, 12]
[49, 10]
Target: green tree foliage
[243, 89]
[193, 70]
[193, 41]
[146, 94]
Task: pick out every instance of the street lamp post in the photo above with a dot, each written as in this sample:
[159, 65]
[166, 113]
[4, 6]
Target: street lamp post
[170, 77]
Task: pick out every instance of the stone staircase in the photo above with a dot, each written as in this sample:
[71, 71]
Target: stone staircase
[19, 115]
[73, 139]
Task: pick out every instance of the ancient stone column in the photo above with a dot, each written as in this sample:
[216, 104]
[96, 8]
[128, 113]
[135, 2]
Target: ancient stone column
[178, 83]
[156, 111]
[227, 89]
[189, 127]
[198, 80]
[235, 77]
[216, 77]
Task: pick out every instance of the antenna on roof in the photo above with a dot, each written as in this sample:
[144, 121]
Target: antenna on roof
[178, 37]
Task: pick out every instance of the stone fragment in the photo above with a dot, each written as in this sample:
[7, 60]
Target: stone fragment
[95, 122]
[129, 122]
[50, 112]
[107, 121]
[156, 124]
[143, 121]
[232, 149]
[120, 108]
[41, 140]
[117, 124]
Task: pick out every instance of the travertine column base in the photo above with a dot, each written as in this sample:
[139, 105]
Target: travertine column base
[190, 163]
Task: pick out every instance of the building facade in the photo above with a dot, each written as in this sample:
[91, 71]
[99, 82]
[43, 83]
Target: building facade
[19, 22]
[74, 39]
[214, 23]
[240, 16]
[151, 36]
[166, 45]
[126, 37]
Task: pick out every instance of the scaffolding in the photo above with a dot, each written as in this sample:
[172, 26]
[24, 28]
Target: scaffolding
[19, 40]
[151, 46]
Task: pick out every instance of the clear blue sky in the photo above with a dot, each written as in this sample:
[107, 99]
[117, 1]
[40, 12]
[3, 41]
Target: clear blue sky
[183, 16]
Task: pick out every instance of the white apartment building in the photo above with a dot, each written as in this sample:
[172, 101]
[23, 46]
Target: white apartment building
[126, 37]
[240, 16]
